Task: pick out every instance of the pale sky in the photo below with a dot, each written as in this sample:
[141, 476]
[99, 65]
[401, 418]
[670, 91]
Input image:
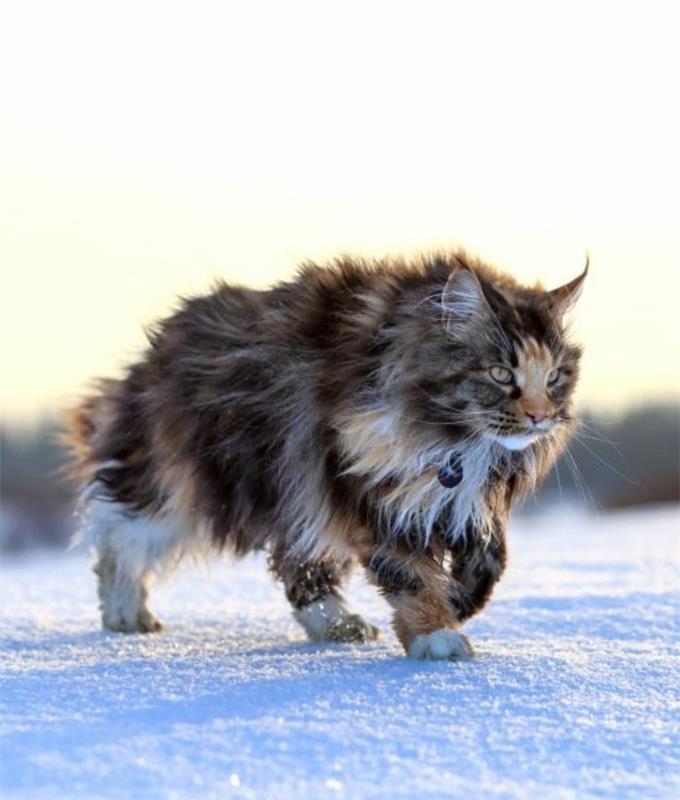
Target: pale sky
[146, 148]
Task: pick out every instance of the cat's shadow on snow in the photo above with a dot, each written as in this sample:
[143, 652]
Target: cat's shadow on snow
[562, 616]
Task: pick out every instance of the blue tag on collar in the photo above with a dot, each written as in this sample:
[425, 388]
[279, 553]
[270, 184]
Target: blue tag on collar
[451, 474]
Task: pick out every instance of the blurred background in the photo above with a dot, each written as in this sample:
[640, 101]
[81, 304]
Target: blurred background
[148, 148]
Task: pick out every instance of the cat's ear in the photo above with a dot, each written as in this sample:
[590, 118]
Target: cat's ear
[463, 300]
[563, 298]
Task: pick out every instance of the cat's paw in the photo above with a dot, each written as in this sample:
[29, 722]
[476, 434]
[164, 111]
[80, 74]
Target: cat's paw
[328, 620]
[142, 622]
[441, 644]
[351, 628]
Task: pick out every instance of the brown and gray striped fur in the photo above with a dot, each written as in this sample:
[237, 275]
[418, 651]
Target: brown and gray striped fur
[388, 413]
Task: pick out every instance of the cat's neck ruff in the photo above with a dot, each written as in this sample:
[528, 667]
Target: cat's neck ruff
[385, 452]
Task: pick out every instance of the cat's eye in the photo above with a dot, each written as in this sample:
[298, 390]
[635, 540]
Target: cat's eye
[501, 374]
[553, 376]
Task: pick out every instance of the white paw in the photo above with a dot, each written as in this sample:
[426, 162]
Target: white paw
[327, 620]
[141, 622]
[441, 644]
[351, 628]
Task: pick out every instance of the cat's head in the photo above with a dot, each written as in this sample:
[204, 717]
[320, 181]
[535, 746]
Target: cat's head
[501, 366]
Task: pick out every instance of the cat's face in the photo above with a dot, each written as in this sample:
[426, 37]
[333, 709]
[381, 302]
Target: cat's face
[529, 392]
[505, 370]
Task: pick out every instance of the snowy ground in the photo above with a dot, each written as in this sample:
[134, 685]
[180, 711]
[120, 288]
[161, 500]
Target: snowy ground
[573, 694]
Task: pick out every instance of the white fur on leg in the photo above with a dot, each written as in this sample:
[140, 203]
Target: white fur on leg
[122, 597]
[130, 550]
[318, 617]
[328, 620]
[444, 643]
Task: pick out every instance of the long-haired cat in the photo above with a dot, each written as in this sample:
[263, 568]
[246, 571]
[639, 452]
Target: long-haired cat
[388, 413]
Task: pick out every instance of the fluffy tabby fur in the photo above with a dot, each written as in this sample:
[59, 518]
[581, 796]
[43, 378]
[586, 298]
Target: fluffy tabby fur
[360, 412]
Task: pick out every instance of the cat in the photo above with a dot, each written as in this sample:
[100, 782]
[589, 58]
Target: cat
[388, 413]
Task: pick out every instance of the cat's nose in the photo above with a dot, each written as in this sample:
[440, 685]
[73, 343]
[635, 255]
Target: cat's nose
[537, 416]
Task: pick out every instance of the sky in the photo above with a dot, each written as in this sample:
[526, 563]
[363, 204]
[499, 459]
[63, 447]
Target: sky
[148, 148]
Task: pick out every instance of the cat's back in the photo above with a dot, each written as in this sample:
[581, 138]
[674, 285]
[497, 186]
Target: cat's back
[312, 312]
[233, 316]
[240, 347]
[227, 317]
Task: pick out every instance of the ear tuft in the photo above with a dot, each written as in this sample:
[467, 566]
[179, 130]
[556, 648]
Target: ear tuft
[462, 299]
[564, 297]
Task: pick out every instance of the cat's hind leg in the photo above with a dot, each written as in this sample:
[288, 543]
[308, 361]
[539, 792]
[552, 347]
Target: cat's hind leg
[313, 588]
[130, 550]
[122, 595]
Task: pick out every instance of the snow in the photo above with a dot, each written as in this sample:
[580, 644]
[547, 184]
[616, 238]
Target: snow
[573, 693]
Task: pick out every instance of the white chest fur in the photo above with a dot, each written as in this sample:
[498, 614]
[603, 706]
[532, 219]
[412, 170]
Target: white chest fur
[383, 453]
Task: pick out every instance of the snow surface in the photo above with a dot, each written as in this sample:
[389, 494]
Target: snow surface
[573, 693]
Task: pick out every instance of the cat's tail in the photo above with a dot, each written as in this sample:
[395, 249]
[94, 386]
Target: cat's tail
[85, 429]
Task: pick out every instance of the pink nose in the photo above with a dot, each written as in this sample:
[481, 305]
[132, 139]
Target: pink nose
[537, 416]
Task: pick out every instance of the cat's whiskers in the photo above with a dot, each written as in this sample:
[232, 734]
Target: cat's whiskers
[604, 462]
[579, 481]
[596, 434]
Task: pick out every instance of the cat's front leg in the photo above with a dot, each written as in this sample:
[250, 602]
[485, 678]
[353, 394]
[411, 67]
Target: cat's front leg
[476, 565]
[426, 600]
[313, 589]
[427, 628]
